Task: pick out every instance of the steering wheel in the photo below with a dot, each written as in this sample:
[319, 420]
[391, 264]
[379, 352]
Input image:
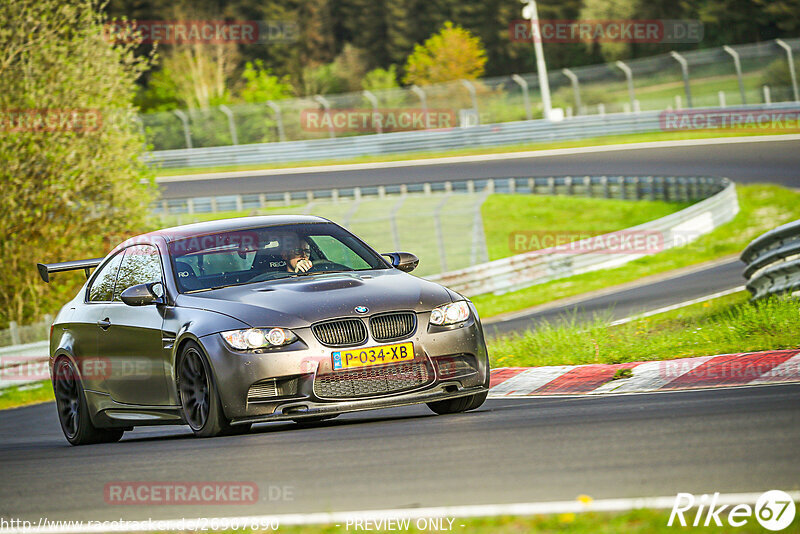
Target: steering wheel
[327, 265]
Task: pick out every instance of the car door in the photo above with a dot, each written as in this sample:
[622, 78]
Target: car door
[133, 341]
[88, 325]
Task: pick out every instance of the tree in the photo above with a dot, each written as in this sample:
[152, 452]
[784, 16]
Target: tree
[70, 164]
[261, 85]
[378, 79]
[452, 54]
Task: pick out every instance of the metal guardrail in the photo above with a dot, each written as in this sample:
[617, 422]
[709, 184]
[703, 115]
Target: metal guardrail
[773, 261]
[23, 364]
[675, 188]
[506, 133]
[541, 266]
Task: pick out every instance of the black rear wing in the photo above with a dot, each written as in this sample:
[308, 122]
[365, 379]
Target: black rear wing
[46, 268]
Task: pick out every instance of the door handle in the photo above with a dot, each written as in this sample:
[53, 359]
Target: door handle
[105, 324]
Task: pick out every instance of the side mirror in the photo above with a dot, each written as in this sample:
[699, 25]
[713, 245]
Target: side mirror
[404, 261]
[143, 294]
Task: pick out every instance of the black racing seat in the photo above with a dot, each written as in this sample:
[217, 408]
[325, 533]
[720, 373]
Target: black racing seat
[187, 278]
[264, 263]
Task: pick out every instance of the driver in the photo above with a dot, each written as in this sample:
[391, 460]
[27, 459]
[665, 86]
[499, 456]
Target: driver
[297, 254]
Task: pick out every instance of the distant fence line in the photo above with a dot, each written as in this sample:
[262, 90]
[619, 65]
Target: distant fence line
[645, 84]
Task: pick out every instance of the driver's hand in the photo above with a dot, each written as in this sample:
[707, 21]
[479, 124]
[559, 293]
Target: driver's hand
[303, 266]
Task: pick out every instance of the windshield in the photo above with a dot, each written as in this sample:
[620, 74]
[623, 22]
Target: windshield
[237, 257]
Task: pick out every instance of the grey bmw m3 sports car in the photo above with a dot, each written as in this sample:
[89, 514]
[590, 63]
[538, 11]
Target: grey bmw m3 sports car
[223, 324]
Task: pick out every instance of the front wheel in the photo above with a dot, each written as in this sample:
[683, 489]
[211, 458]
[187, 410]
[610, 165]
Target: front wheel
[202, 407]
[73, 410]
[460, 404]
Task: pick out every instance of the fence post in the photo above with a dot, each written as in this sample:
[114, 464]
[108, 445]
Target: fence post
[13, 329]
[587, 184]
[423, 100]
[737, 64]
[187, 134]
[327, 106]
[473, 96]
[721, 95]
[629, 77]
[524, 84]
[369, 95]
[767, 95]
[231, 124]
[573, 78]
[685, 71]
[790, 60]
[278, 118]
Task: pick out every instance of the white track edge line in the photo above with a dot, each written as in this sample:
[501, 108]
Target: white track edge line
[678, 305]
[485, 510]
[477, 158]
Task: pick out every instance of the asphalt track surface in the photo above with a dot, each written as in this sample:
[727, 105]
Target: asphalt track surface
[508, 451]
[627, 302]
[749, 162]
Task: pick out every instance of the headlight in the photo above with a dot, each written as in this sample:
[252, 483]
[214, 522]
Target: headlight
[457, 312]
[258, 338]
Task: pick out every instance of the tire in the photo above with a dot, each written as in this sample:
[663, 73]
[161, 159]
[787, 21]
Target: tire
[458, 405]
[461, 404]
[73, 409]
[200, 401]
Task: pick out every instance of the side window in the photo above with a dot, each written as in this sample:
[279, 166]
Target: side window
[102, 287]
[140, 265]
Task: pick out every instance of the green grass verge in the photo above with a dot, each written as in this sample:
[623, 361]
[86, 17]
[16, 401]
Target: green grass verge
[24, 395]
[728, 324]
[636, 521]
[591, 141]
[762, 208]
[505, 215]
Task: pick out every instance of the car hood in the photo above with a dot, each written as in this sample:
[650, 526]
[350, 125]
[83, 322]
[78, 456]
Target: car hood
[300, 301]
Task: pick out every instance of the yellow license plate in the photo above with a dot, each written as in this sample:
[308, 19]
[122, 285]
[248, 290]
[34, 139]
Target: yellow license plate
[366, 356]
